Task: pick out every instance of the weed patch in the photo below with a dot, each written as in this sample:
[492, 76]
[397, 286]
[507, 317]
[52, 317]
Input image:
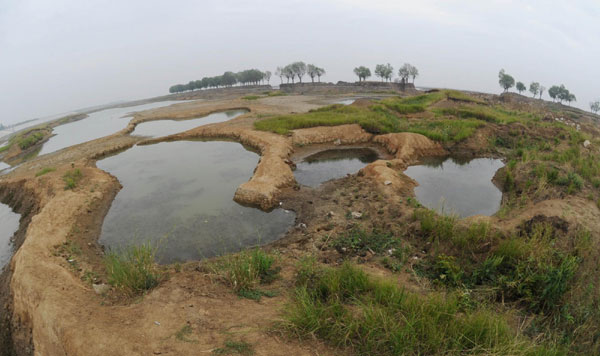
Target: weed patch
[347, 308]
[45, 171]
[133, 270]
[243, 272]
[71, 178]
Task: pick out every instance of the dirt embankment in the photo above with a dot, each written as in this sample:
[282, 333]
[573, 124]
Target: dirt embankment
[54, 312]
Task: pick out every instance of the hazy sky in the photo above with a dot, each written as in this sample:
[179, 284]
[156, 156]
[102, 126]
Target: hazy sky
[59, 55]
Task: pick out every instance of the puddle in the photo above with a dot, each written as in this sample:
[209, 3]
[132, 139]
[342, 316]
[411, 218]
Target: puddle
[3, 166]
[179, 195]
[169, 127]
[332, 164]
[9, 224]
[345, 101]
[457, 186]
[96, 125]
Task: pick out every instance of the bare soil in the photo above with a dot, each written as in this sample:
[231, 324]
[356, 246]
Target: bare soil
[52, 308]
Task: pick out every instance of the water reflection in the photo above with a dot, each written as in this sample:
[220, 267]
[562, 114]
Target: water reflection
[9, 223]
[454, 185]
[169, 127]
[332, 164]
[179, 195]
[98, 124]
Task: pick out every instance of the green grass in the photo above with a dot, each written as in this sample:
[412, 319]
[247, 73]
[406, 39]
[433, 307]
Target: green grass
[276, 93]
[377, 119]
[347, 308]
[133, 270]
[72, 178]
[251, 97]
[374, 121]
[460, 96]
[443, 130]
[28, 140]
[486, 113]
[5, 148]
[397, 105]
[359, 241]
[45, 171]
[232, 347]
[245, 271]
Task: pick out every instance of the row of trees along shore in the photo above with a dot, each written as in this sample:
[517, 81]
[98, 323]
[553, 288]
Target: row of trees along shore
[556, 92]
[386, 72]
[228, 79]
[291, 72]
[299, 69]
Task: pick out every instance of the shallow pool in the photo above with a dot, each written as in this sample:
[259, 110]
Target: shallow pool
[96, 125]
[344, 101]
[169, 127]
[332, 164]
[179, 195]
[457, 186]
[9, 224]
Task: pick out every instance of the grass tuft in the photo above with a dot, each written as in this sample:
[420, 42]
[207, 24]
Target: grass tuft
[45, 171]
[246, 270]
[71, 178]
[133, 270]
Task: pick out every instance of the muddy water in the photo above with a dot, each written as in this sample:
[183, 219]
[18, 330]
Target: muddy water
[179, 195]
[9, 223]
[3, 166]
[169, 127]
[96, 125]
[332, 164]
[457, 186]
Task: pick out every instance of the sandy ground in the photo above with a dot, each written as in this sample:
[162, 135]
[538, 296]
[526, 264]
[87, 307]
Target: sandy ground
[54, 312]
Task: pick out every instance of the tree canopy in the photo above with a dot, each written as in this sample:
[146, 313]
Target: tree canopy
[384, 71]
[228, 79]
[362, 73]
[561, 94]
[594, 107]
[521, 87]
[314, 71]
[534, 88]
[506, 81]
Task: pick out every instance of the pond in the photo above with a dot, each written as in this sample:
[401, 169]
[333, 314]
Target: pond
[344, 101]
[179, 196]
[169, 127]
[332, 164]
[3, 166]
[96, 125]
[9, 224]
[453, 185]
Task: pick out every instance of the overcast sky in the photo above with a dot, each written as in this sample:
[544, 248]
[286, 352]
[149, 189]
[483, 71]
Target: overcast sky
[59, 55]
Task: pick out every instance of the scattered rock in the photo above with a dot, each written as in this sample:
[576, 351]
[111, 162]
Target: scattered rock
[387, 182]
[157, 323]
[301, 226]
[331, 214]
[586, 143]
[356, 215]
[337, 142]
[101, 288]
